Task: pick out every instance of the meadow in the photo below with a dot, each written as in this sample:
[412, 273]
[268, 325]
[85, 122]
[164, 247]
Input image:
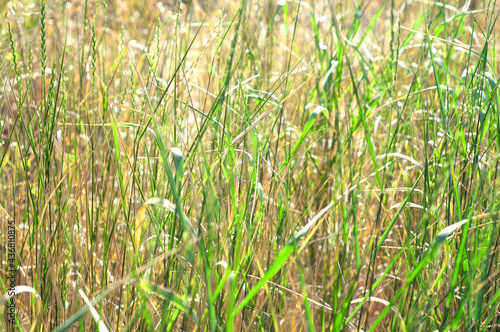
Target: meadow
[249, 165]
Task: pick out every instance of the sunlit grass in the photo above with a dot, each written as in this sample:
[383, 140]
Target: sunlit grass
[250, 165]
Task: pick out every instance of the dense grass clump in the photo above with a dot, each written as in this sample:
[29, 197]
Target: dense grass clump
[250, 165]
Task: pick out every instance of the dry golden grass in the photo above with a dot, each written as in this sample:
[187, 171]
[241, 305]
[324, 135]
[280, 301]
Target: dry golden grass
[86, 155]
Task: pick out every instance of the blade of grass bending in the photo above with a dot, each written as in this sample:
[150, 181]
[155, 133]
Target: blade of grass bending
[141, 215]
[387, 304]
[187, 227]
[310, 122]
[402, 156]
[81, 313]
[428, 257]
[37, 305]
[159, 142]
[282, 257]
[101, 325]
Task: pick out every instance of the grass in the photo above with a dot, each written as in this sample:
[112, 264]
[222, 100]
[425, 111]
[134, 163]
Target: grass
[253, 165]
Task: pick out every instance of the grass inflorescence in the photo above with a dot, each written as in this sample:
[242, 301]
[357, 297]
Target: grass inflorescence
[250, 165]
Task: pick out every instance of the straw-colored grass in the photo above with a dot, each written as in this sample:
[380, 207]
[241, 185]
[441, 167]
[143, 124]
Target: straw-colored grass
[249, 165]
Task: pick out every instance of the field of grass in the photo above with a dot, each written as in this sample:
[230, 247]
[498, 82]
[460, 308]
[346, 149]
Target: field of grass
[249, 165]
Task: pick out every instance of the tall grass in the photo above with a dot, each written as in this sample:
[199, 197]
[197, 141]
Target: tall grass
[253, 165]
